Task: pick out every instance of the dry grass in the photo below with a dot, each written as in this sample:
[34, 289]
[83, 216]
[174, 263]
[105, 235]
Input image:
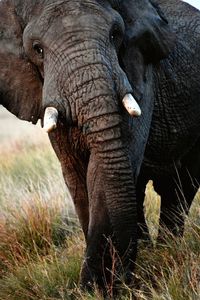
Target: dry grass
[41, 246]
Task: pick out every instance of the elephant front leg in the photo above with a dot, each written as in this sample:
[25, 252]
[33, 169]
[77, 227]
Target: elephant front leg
[110, 255]
[175, 204]
[178, 191]
[97, 262]
[74, 171]
[142, 228]
[96, 267]
[78, 191]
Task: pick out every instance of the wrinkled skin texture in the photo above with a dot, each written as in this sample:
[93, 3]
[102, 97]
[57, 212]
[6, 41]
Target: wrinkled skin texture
[172, 153]
[83, 57]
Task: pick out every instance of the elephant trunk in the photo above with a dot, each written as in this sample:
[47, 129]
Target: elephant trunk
[120, 198]
[96, 107]
[99, 106]
[114, 188]
[114, 180]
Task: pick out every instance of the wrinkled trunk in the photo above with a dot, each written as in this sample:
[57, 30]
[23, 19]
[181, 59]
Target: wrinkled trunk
[93, 92]
[120, 198]
[111, 189]
[106, 137]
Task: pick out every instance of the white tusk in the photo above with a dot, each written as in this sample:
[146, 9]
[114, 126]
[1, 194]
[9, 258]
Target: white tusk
[50, 119]
[131, 106]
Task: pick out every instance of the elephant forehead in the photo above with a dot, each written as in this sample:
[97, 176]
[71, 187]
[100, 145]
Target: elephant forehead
[86, 13]
[85, 20]
[72, 16]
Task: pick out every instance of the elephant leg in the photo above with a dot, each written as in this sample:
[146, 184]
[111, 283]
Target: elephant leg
[176, 198]
[74, 172]
[190, 176]
[79, 195]
[104, 265]
[97, 264]
[171, 212]
[142, 230]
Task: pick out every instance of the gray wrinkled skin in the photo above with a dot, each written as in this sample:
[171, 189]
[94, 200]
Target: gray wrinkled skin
[83, 57]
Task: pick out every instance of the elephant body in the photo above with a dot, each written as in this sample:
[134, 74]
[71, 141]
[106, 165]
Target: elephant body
[83, 58]
[175, 125]
[171, 157]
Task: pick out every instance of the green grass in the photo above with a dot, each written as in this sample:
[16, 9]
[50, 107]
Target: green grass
[41, 245]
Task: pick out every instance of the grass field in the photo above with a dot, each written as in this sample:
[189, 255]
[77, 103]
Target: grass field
[41, 244]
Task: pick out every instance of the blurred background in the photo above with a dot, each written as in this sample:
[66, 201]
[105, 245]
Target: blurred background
[195, 3]
[13, 129]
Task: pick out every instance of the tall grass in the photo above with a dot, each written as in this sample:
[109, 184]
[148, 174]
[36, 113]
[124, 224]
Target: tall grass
[41, 245]
[29, 169]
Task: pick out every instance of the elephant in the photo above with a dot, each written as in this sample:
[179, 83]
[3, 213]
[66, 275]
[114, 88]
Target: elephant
[116, 84]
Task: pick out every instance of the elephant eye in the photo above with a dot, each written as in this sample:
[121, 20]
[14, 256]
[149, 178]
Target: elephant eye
[38, 49]
[116, 35]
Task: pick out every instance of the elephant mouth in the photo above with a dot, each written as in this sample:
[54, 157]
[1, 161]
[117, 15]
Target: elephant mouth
[51, 114]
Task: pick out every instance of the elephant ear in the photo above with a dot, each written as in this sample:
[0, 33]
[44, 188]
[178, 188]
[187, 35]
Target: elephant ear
[148, 38]
[20, 83]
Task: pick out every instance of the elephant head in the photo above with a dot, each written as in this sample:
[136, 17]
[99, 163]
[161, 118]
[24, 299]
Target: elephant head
[85, 59]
